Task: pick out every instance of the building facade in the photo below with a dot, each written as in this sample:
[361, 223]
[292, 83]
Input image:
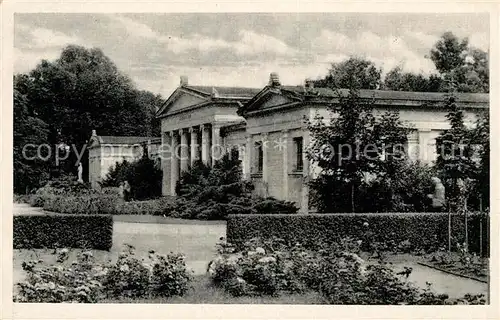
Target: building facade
[106, 151]
[268, 128]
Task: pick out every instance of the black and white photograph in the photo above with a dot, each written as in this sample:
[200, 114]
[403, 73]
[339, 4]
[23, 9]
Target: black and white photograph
[305, 158]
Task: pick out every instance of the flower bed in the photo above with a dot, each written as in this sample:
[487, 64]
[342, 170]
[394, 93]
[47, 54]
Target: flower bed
[84, 280]
[337, 272]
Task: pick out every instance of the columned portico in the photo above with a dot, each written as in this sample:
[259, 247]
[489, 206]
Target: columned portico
[216, 148]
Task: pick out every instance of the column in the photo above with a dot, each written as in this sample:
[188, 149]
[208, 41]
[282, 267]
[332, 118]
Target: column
[165, 156]
[265, 146]
[174, 162]
[423, 142]
[205, 144]
[304, 203]
[194, 145]
[217, 147]
[184, 150]
[284, 148]
[248, 157]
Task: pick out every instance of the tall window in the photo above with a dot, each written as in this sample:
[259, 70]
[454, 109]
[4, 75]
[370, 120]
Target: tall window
[259, 156]
[298, 144]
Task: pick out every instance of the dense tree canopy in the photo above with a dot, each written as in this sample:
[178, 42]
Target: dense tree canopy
[80, 91]
[352, 73]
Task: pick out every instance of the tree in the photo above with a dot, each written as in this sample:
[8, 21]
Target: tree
[354, 72]
[84, 90]
[398, 80]
[30, 171]
[349, 148]
[449, 52]
[457, 62]
[455, 153]
[481, 136]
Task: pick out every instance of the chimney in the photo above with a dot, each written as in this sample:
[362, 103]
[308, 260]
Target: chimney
[184, 81]
[94, 133]
[274, 79]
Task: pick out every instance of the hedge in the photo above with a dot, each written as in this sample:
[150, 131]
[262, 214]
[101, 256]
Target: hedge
[38, 231]
[105, 204]
[420, 231]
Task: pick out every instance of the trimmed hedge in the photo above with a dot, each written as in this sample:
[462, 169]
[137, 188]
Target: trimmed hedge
[105, 204]
[420, 231]
[39, 231]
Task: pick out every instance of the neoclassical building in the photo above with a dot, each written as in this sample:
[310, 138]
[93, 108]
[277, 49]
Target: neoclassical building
[268, 128]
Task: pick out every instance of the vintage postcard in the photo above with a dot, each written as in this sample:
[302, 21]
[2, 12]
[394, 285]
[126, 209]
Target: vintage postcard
[177, 161]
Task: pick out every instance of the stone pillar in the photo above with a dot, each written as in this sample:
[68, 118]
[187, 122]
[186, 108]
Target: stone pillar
[205, 144]
[423, 143]
[285, 149]
[247, 157]
[174, 162]
[217, 149]
[165, 156]
[194, 144]
[304, 203]
[184, 150]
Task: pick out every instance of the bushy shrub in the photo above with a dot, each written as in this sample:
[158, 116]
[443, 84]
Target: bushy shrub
[143, 175]
[406, 191]
[334, 270]
[88, 281]
[59, 231]
[79, 282]
[386, 231]
[106, 204]
[214, 193]
[163, 275]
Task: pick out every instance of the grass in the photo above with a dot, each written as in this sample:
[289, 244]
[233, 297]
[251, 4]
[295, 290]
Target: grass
[202, 291]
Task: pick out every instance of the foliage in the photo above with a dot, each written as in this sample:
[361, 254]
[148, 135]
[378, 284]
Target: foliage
[214, 193]
[455, 153]
[28, 129]
[105, 204]
[398, 80]
[377, 231]
[80, 91]
[87, 281]
[143, 176]
[349, 148]
[270, 267]
[352, 73]
[481, 136]
[58, 231]
[79, 282]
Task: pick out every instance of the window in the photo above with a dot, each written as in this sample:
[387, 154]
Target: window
[260, 156]
[299, 161]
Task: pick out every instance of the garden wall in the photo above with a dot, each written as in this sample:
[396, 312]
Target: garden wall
[38, 231]
[420, 231]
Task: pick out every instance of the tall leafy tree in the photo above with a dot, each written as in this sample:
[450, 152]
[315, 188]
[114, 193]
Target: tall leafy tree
[354, 72]
[449, 52]
[481, 137]
[349, 148]
[84, 90]
[398, 80]
[30, 171]
[454, 152]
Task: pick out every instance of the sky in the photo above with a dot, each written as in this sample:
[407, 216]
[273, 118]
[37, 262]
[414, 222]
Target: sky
[241, 49]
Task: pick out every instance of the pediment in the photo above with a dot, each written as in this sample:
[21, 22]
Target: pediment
[269, 99]
[180, 100]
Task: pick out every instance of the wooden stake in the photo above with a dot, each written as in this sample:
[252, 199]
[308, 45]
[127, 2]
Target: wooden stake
[449, 229]
[480, 227]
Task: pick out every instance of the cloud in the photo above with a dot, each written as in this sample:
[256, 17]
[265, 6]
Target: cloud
[46, 38]
[480, 41]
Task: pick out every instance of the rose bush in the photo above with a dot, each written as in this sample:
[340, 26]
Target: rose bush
[87, 281]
